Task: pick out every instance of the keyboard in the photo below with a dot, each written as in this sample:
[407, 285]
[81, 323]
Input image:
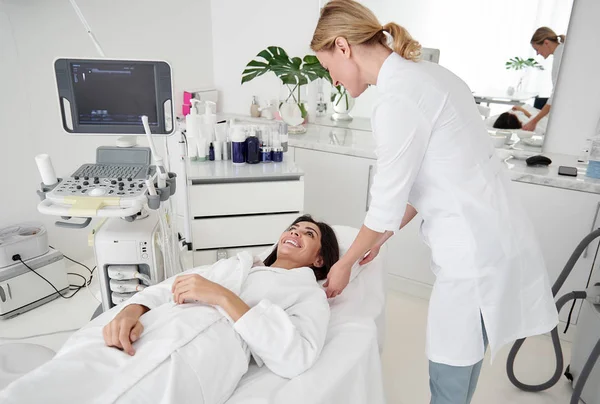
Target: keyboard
[134, 171]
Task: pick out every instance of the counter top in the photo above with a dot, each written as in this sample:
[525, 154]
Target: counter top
[360, 143]
[355, 139]
[224, 171]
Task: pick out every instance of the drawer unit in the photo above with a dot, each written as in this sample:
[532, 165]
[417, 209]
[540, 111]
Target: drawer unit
[245, 198]
[239, 231]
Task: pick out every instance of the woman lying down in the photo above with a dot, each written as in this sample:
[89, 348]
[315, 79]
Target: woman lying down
[518, 116]
[189, 339]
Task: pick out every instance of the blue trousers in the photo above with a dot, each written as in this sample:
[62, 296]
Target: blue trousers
[454, 384]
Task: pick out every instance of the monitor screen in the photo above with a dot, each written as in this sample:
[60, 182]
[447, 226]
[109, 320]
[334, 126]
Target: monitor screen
[114, 94]
[108, 96]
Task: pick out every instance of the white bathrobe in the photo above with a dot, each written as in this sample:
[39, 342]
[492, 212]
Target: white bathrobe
[190, 353]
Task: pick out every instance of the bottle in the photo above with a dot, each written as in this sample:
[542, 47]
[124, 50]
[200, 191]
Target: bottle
[277, 152]
[283, 136]
[238, 140]
[192, 132]
[254, 108]
[252, 148]
[211, 152]
[321, 104]
[218, 150]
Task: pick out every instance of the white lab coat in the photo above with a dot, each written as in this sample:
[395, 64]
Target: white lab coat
[433, 151]
[556, 60]
[190, 353]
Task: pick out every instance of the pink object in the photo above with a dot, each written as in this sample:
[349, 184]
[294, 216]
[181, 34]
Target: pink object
[187, 101]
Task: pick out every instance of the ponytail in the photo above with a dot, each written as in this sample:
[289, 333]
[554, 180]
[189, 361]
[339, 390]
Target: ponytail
[403, 44]
[543, 33]
[355, 22]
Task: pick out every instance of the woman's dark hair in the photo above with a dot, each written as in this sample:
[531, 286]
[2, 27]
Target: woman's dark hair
[330, 249]
[507, 121]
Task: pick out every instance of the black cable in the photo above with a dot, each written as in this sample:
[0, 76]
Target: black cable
[570, 314]
[85, 281]
[47, 281]
[77, 262]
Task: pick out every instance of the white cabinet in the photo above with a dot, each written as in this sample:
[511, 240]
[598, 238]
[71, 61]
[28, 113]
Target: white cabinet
[336, 186]
[241, 208]
[561, 219]
[337, 192]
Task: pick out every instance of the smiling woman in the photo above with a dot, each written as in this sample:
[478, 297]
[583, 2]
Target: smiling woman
[306, 243]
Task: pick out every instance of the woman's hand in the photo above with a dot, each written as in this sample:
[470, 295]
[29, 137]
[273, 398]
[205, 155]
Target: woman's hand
[190, 288]
[337, 279]
[370, 255]
[530, 126]
[125, 328]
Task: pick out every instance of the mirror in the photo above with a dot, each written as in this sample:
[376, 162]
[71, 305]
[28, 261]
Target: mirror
[475, 40]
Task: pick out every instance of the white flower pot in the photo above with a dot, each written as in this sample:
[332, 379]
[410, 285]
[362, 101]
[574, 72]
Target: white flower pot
[342, 105]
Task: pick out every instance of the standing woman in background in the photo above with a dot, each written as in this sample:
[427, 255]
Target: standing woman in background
[435, 156]
[546, 43]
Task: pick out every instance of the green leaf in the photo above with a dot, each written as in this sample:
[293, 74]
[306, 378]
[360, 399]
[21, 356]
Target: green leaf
[289, 70]
[256, 63]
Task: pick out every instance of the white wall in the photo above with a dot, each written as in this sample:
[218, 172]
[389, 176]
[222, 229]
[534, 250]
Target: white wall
[475, 37]
[32, 34]
[238, 36]
[575, 114]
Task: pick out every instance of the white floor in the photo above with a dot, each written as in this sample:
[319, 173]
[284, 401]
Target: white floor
[406, 368]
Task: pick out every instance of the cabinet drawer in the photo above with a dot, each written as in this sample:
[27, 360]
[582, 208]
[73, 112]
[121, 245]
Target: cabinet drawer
[246, 198]
[239, 231]
[209, 257]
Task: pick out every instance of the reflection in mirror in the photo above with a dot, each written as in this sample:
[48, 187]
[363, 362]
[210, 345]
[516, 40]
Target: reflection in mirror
[488, 45]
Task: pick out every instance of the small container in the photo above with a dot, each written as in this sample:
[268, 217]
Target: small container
[211, 152]
[265, 154]
[277, 154]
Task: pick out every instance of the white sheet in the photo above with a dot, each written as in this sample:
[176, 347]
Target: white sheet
[349, 369]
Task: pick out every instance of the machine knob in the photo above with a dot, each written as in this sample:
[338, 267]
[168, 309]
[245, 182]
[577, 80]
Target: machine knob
[86, 183]
[120, 179]
[129, 179]
[86, 178]
[113, 182]
[78, 187]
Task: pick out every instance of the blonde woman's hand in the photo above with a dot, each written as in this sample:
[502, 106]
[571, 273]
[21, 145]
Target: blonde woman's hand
[337, 279]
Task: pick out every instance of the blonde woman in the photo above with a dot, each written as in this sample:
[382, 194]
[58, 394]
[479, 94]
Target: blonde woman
[434, 156]
[546, 43]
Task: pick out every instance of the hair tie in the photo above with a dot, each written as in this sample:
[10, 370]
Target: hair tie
[383, 28]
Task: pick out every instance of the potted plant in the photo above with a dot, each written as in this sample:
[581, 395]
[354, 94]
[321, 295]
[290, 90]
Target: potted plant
[295, 73]
[342, 104]
[517, 64]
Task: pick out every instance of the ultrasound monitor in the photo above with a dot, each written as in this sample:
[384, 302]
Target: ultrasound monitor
[109, 97]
